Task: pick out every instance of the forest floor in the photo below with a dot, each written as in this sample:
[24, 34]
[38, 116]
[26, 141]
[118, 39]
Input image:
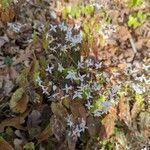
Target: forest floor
[75, 75]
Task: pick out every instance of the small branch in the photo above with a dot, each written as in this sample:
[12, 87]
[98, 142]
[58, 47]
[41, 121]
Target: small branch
[133, 45]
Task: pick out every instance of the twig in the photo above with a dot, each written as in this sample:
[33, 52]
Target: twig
[133, 45]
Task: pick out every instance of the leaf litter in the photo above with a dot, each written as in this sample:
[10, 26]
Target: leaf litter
[74, 75]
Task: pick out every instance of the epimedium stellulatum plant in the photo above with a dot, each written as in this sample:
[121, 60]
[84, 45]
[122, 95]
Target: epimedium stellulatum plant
[78, 80]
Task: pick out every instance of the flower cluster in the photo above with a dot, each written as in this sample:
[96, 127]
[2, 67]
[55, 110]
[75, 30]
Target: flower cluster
[83, 82]
[75, 129]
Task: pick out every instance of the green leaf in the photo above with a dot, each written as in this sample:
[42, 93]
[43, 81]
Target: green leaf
[8, 61]
[133, 22]
[134, 3]
[29, 146]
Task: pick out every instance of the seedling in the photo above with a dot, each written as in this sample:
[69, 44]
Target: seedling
[137, 19]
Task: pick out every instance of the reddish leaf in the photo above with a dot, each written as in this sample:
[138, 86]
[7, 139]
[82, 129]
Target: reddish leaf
[78, 110]
[108, 124]
[4, 145]
[14, 122]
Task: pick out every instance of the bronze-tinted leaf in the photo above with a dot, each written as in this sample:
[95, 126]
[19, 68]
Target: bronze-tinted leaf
[45, 134]
[108, 124]
[72, 141]
[7, 15]
[78, 110]
[14, 122]
[4, 145]
[59, 110]
[93, 125]
[19, 101]
[124, 110]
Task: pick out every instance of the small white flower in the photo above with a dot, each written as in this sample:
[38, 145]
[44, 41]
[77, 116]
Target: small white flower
[69, 121]
[88, 105]
[77, 94]
[146, 68]
[45, 90]
[80, 65]
[53, 27]
[68, 35]
[79, 128]
[89, 62]
[88, 95]
[71, 75]
[54, 87]
[67, 88]
[60, 67]
[77, 26]
[138, 88]
[98, 65]
[49, 69]
[81, 77]
[62, 27]
[96, 86]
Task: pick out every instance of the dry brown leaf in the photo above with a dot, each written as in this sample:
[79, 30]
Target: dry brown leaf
[144, 124]
[72, 142]
[59, 110]
[7, 15]
[123, 33]
[124, 111]
[14, 122]
[58, 128]
[93, 125]
[45, 134]
[19, 101]
[4, 145]
[78, 110]
[108, 124]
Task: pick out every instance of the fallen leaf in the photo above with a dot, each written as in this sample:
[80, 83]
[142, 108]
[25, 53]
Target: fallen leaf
[108, 124]
[124, 110]
[7, 15]
[34, 119]
[58, 128]
[14, 122]
[19, 101]
[144, 124]
[46, 133]
[123, 33]
[72, 140]
[59, 110]
[4, 145]
[93, 125]
[78, 110]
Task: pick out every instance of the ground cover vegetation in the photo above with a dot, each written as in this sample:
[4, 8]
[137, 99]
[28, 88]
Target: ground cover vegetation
[75, 75]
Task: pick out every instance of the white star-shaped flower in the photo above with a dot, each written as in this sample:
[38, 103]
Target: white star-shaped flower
[67, 88]
[49, 69]
[77, 94]
[71, 75]
[146, 68]
[53, 27]
[98, 65]
[81, 77]
[45, 90]
[80, 64]
[62, 27]
[88, 105]
[60, 67]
